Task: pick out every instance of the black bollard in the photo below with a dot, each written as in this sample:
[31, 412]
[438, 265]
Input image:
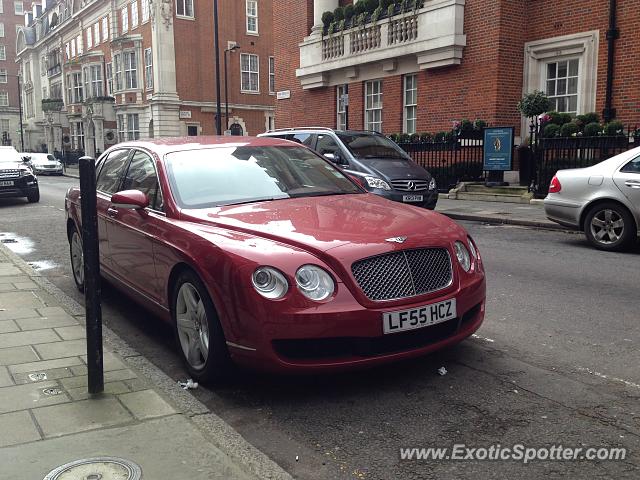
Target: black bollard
[87, 166]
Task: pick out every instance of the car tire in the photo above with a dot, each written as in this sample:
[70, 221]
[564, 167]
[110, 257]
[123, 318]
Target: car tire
[199, 335]
[77, 259]
[34, 197]
[609, 226]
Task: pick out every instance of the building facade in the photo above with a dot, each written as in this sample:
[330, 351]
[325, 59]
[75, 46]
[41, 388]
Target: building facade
[429, 63]
[11, 20]
[99, 72]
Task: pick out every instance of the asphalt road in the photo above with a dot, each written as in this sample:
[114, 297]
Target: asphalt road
[556, 362]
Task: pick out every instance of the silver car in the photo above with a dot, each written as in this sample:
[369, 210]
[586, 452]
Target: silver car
[602, 200]
[45, 163]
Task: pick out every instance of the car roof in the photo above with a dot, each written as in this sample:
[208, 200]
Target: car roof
[289, 131]
[162, 146]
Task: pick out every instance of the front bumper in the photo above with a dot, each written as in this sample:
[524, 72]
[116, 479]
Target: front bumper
[22, 187]
[429, 197]
[48, 171]
[343, 334]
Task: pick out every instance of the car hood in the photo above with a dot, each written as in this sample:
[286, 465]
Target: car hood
[44, 163]
[10, 165]
[347, 226]
[394, 169]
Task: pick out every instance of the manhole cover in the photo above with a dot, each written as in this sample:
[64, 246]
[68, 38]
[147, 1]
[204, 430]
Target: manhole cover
[9, 240]
[101, 468]
[37, 377]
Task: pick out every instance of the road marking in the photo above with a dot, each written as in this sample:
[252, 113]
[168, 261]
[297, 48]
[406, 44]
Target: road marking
[478, 337]
[607, 377]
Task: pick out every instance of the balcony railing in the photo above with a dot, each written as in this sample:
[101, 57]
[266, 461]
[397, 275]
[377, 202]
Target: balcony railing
[432, 35]
[55, 70]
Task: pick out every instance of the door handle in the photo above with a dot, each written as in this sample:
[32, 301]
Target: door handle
[632, 183]
[112, 212]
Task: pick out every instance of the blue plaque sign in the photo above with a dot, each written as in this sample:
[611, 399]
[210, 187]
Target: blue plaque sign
[498, 148]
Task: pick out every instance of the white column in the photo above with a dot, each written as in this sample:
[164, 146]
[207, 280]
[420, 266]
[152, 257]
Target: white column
[319, 7]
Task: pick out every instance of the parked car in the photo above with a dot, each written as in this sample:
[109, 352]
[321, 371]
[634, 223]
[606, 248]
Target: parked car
[45, 163]
[602, 200]
[382, 167]
[261, 252]
[16, 177]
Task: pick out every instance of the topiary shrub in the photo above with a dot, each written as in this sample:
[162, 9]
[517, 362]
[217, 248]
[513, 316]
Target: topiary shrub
[371, 5]
[591, 117]
[414, 138]
[569, 129]
[466, 125]
[359, 8]
[403, 138]
[327, 19]
[338, 14]
[614, 128]
[385, 4]
[440, 136]
[479, 124]
[551, 130]
[426, 137]
[565, 118]
[349, 12]
[393, 137]
[592, 129]
[534, 104]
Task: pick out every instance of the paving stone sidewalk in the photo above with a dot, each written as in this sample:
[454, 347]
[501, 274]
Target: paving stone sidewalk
[47, 419]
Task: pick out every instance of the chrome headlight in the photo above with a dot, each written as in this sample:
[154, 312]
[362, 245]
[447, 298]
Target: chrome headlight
[463, 255]
[432, 184]
[314, 283]
[23, 171]
[472, 248]
[270, 283]
[375, 182]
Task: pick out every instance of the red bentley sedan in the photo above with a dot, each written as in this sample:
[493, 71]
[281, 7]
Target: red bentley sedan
[263, 253]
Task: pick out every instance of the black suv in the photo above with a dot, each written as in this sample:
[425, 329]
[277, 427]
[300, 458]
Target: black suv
[381, 166]
[16, 177]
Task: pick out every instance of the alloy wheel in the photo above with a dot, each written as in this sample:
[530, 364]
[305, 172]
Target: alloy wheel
[77, 260]
[607, 226]
[192, 325]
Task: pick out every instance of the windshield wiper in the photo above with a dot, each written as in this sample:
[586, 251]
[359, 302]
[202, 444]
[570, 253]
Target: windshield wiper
[255, 200]
[319, 194]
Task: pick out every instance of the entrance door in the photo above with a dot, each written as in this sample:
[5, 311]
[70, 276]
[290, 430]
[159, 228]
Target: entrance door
[236, 130]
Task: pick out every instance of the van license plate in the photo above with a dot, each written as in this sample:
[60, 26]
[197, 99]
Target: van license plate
[412, 198]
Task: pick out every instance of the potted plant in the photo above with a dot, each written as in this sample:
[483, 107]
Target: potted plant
[531, 106]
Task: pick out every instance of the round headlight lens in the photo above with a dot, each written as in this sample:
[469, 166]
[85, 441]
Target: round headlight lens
[314, 283]
[270, 283]
[463, 255]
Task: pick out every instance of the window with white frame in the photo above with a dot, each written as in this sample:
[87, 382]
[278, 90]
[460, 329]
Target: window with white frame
[117, 71]
[250, 73]
[78, 92]
[89, 35]
[29, 104]
[252, 16]
[3, 75]
[77, 135]
[96, 33]
[69, 89]
[18, 8]
[145, 10]
[79, 44]
[109, 75]
[562, 85]
[67, 50]
[105, 29]
[133, 126]
[125, 19]
[134, 14]
[4, 99]
[93, 81]
[410, 103]
[184, 8]
[373, 106]
[122, 127]
[341, 107]
[1, 29]
[148, 69]
[272, 75]
[73, 48]
[1, 7]
[56, 91]
[3, 52]
[130, 70]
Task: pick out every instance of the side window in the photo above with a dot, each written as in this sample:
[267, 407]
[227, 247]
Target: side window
[111, 171]
[326, 144]
[632, 167]
[303, 138]
[142, 176]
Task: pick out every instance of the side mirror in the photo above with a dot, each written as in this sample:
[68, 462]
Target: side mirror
[130, 200]
[336, 158]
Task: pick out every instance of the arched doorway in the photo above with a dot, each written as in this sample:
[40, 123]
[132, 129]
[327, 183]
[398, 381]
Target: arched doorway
[236, 130]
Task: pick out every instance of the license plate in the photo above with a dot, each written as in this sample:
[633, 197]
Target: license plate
[412, 198]
[6, 184]
[403, 320]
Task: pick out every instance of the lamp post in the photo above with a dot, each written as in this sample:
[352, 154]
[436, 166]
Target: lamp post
[226, 91]
[217, 49]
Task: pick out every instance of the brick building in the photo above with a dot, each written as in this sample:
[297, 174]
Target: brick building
[11, 20]
[421, 69]
[98, 72]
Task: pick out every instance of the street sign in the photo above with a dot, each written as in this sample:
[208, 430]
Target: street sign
[498, 148]
[283, 94]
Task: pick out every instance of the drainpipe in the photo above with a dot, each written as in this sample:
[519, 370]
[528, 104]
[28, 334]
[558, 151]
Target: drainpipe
[609, 113]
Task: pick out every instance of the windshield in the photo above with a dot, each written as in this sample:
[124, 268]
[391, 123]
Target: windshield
[242, 174]
[366, 145]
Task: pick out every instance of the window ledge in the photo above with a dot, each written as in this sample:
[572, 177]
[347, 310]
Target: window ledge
[185, 17]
